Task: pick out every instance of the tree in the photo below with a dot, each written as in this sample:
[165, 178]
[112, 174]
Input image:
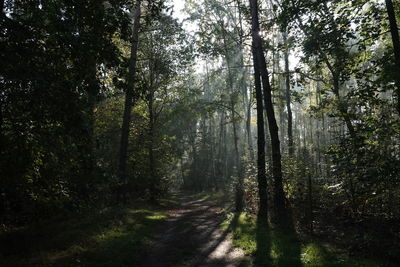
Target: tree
[260, 64]
[396, 45]
[129, 96]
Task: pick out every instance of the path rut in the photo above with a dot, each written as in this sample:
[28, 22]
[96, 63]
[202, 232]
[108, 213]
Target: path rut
[192, 236]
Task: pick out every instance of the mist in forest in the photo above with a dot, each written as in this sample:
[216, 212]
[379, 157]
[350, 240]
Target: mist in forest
[117, 114]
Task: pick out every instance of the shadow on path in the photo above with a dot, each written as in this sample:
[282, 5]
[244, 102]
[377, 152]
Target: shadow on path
[192, 236]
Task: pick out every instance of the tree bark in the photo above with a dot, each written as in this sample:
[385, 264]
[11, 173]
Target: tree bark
[310, 203]
[288, 98]
[261, 175]
[129, 96]
[279, 198]
[396, 46]
[261, 172]
[152, 168]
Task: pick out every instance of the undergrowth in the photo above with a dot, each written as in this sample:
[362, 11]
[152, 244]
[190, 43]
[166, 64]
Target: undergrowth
[270, 246]
[110, 237]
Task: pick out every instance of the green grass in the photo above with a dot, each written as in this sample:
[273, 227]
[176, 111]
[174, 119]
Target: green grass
[273, 247]
[112, 237]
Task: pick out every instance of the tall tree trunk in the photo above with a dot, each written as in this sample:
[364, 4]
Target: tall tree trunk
[195, 184]
[212, 148]
[310, 202]
[247, 102]
[248, 126]
[239, 183]
[288, 97]
[129, 95]
[396, 46]
[279, 198]
[261, 175]
[88, 145]
[152, 168]
[261, 172]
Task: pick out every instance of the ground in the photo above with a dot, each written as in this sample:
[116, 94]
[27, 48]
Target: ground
[183, 230]
[192, 236]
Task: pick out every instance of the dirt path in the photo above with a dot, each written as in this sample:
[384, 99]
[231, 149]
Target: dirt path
[192, 236]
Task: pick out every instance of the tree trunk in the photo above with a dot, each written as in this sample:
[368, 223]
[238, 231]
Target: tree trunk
[288, 98]
[342, 106]
[247, 102]
[261, 172]
[261, 175]
[396, 46]
[152, 168]
[212, 148]
[279, 198]
[129, 95]
[310, 203]
[239, 182]
[248, 127]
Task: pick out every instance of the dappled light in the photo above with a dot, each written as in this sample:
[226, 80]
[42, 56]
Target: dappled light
[163, 133]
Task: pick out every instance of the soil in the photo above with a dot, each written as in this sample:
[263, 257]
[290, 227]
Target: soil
[192, 236]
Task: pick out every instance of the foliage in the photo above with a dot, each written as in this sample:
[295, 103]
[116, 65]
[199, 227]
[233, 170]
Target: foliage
[107, 237]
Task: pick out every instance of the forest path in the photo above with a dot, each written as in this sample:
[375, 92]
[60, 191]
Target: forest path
[192, 236]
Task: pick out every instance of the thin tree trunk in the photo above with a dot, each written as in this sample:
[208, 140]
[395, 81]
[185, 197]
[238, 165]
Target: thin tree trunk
[220, 149]
[239, 185]
[152, 170]
[194, 184]
[310, 203]
[247, 102]
[342, 106]
[288, 98]
[279, 198]
[396, 46]
[129, 95]
[248, 127]
[212, 148]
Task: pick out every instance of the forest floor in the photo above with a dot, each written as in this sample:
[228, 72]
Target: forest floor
[182, 230]
[193, 236]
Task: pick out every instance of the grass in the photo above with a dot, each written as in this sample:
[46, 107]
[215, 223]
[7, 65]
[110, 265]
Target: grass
[270, 246]
[111, 237]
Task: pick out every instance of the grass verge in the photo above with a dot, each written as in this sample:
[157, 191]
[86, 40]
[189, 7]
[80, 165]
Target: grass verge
[111, 237]
[272, 247]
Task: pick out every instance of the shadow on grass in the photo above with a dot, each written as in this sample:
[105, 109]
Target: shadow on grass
[285, 247]
[270, 245]
[263, 243]
[277, 246]
[113, 237]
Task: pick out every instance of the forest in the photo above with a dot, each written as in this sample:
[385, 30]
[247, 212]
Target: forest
[199, 133]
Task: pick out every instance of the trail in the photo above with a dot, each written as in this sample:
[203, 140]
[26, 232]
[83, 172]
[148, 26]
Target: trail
[192, 236]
